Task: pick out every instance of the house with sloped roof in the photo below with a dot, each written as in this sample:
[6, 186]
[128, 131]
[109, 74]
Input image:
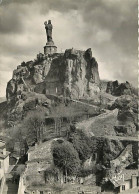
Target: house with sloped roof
[124, 182]
[40, 161]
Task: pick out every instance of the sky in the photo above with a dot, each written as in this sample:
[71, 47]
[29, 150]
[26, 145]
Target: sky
[108, 27]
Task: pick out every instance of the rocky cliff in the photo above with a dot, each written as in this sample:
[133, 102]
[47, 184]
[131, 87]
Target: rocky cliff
[72, 74]
[117, 89]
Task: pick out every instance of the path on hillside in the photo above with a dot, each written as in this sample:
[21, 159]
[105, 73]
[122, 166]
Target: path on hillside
[129, 138]
[84, 103]
[87, 123]
[73, 100]
[87, 126]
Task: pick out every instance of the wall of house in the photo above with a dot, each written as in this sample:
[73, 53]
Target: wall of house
[40, 152]
[21, 187]
[35, 167]
[134, 181]
[4, 166]
[87, 190]
[127, 185]
[6, 163]
[1, 169]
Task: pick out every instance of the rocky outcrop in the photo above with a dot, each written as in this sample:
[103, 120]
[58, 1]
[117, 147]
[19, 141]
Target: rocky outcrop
[111, 150]
[117, 89]
[127, 118]
[28, 101]
[126, 130]
[112, 86]
[72, 74]
[123, 160]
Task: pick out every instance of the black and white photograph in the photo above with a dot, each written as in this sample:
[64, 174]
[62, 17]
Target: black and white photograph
[69, 97]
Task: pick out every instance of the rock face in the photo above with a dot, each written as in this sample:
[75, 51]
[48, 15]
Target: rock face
[114, 88]
[126, 130]
[124, 159]
[127, 118]
[111, 150]
[127, 115]
[72, 74]
[27, 102]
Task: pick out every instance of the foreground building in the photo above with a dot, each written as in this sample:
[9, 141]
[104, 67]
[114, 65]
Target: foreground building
[4, 159]
[125, 182]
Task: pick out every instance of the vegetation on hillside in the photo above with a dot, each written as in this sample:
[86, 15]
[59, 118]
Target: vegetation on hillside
[66, 157]
[81, 143]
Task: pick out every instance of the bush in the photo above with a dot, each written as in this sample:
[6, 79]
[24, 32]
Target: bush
[66, 157]
[81, 143]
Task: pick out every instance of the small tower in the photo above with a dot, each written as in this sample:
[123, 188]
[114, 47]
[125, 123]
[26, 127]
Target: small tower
[50, 47]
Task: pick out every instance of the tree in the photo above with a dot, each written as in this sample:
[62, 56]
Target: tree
[33, 126]
[66, 157]
[16, 134]
[81, 142]
[58, 113]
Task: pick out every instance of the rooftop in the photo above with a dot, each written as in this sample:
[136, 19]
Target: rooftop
[41, 152]
[2, 156]
[123, 176]
[129, 173]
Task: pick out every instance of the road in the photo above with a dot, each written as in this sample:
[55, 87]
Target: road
[121, 138]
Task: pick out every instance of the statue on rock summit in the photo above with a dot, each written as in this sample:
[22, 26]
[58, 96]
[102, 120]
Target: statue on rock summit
[50, 47]
[49, 27]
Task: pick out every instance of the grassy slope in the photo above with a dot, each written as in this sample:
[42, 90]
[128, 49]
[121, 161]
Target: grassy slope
[100, 125]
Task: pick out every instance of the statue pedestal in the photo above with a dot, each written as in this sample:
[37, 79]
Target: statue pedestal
[50, 48]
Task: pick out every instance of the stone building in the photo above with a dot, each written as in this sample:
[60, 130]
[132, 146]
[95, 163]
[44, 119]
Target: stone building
[39, 160]
[125, 182]
[4, 159]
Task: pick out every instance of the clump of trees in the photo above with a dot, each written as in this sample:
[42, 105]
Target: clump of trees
[58, 113]
[81, 142]
[33, 126]
[66, 157]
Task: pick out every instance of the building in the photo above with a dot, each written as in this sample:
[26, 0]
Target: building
[131, 180]
[125, 182]
[39, 160]
[4, 159]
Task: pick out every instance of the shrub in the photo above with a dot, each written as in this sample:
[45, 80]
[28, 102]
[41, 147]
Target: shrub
[66, 157]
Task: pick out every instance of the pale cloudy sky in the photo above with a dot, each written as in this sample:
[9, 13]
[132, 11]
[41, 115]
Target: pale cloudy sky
[109, 27]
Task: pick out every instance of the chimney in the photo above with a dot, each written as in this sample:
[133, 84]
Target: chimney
[36, 144]
[4, 151]
[134, 181]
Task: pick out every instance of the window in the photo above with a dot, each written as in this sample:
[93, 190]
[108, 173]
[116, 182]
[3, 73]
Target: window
[41, 192]
[123, 187]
